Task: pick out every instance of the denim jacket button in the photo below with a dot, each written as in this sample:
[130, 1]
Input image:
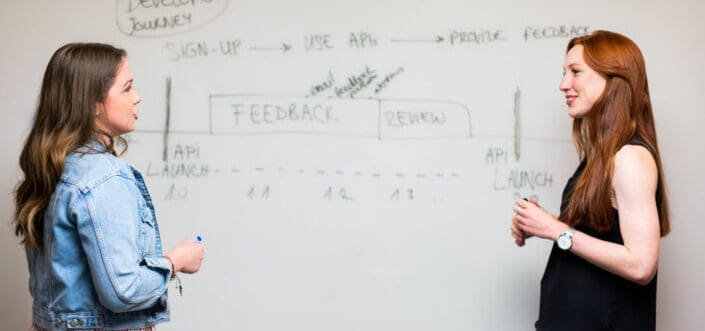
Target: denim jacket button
[75, 322]
[57, 322]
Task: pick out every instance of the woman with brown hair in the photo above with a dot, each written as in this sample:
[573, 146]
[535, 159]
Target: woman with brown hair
[85, 216]
[601, 274]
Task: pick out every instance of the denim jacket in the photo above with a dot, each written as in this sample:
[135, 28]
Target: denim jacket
[102, 264]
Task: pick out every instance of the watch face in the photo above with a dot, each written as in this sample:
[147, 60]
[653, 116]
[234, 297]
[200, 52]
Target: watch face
[563, 242]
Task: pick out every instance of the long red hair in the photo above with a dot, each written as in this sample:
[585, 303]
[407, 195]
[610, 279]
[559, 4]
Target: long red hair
[623, 112]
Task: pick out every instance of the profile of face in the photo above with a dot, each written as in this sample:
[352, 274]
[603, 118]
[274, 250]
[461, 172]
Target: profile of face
[117, 114]
[581, 84]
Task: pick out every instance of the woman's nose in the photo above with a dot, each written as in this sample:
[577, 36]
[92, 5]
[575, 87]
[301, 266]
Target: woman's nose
[565, 83]
[138, 97]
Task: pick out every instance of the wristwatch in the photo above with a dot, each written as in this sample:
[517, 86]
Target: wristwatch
[565, 240]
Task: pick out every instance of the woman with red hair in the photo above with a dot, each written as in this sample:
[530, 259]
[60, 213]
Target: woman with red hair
[601, 274]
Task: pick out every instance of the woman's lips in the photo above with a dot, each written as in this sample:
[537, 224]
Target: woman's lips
[569, 99]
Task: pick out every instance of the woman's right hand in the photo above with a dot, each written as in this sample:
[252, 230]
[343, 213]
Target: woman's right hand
[187, 256]
[518, 235]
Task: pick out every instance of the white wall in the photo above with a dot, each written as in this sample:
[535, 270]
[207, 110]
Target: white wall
[414, 234]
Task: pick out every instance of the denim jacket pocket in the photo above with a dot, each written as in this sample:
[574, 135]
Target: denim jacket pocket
[147, 232]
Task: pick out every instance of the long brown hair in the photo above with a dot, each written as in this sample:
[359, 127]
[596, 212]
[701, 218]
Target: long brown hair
[622, 112]
[76, 79]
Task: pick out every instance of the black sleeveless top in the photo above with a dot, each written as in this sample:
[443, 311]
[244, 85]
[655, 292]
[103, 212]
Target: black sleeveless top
[576, 295]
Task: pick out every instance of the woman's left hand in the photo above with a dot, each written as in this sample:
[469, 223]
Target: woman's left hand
[533, 220]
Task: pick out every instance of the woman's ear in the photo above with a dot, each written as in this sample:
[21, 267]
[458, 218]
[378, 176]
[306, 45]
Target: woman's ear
[99, 109]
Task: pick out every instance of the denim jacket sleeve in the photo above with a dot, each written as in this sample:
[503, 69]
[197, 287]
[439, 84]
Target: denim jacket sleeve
[111, 220]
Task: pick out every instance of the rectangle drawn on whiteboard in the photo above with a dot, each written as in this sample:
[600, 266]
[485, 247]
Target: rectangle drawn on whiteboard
[365, 118]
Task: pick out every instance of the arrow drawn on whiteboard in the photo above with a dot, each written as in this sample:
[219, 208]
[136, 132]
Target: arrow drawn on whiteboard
[283, 48]
[438, 39]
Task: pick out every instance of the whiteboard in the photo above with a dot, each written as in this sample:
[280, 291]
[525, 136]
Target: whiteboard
[352, 166]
